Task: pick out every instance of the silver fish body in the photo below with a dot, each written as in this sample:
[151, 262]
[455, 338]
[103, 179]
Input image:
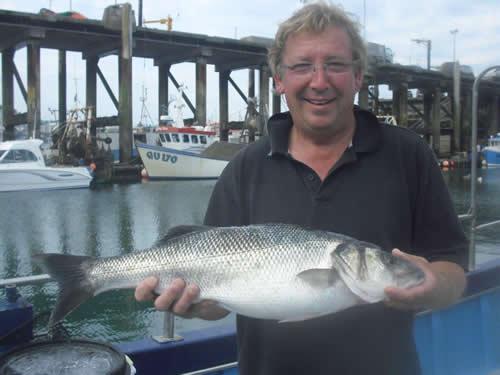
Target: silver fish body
[268, 271]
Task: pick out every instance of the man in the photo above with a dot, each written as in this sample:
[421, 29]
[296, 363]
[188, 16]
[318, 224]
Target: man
[330, 165]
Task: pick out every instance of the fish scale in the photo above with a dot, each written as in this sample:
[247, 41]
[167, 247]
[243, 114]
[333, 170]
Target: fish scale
[270, 271]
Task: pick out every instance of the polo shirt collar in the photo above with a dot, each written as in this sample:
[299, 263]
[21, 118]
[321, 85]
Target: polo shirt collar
[367, 136]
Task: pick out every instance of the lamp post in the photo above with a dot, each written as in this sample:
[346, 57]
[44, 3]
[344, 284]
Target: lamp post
[454, 33]
[427, 42]
[456, 141]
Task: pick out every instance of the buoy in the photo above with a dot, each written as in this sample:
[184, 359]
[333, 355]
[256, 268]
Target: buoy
[144, 173]
[446, 164]
[92, 166]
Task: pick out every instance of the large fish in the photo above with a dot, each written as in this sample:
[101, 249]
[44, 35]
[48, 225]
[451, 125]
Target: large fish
[269, 271]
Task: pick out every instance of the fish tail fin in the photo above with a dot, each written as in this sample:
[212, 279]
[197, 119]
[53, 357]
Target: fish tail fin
[74, 286]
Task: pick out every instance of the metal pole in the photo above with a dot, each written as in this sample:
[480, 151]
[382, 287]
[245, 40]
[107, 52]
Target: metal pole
[473, 174]
[454, 33]
[429, 55]
[428, 43]
[168, 330]
[140, 13]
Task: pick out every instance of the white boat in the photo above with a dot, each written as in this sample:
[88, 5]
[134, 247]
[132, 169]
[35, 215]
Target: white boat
[22, 167]
[491, 153]
[193, 139]
[171, 164]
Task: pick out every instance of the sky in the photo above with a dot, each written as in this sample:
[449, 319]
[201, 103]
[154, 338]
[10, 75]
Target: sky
[393, 23]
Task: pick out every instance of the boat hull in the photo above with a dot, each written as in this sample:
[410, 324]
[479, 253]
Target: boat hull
[44, 179]
[169, 164]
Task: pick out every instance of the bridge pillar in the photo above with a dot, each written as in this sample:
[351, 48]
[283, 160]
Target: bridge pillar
[224, 104]
[125, 74]
[251, 83]
[428, 100]
[33, 117]
[8, 92]
[436, 121]
[201, 91]
[400, 103]
[163, 70]
[466, 121]
[91, 89]
[264, 95]
[363, 96]
[276, 99]
[62, 88]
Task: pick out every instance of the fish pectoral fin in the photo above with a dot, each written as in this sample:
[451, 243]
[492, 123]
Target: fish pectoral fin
[181, 230]
[301, 319]
[319, 277]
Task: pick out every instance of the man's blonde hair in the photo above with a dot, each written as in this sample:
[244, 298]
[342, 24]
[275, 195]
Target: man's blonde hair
[317, 17]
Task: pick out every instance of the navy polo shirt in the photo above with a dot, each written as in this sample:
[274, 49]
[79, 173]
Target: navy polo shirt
[387, 189]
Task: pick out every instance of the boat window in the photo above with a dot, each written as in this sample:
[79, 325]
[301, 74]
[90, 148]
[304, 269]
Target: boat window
[203, 139]
[185, 138]
[162, 137]
[167, 137]
[194, 139]
[31, 156]
[9, 158]
[19, 156]
[140, 138]
[175, 137]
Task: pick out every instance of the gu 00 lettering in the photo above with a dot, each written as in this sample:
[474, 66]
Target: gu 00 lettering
[161, 156]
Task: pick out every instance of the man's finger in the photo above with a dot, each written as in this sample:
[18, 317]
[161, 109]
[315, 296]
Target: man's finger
[184, 303]
[145, 290]
[167, 298]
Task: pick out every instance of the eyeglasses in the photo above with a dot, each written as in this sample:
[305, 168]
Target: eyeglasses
[303, 70]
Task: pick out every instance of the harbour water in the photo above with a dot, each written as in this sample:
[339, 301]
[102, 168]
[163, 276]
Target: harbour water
[118, 219]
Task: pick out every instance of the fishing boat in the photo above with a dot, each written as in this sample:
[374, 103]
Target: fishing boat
[192, 139]
[22, 167]
[171, 164]
[491, 153]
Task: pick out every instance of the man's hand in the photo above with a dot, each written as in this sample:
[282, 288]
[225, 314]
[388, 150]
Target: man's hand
[178, 298]
[444, 283]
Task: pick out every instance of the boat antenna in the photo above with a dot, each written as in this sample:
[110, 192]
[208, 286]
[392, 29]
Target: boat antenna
[144, 109]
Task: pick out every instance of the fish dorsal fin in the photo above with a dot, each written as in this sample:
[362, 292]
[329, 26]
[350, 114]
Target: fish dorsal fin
[181, 230]
[319, 277]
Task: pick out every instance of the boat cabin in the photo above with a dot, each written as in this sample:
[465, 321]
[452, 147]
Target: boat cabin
[21, 152]
[190, 139]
